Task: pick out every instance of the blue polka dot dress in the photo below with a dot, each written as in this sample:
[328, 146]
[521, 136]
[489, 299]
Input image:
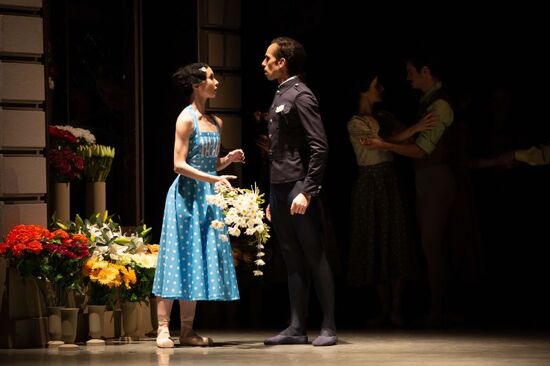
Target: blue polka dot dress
[193, 262]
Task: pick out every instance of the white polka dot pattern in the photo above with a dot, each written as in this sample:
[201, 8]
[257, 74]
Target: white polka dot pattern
[193, 262]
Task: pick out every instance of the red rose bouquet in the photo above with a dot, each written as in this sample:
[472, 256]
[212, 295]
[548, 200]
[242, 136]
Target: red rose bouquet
[23, 247]
[54, 258]
[63, 154]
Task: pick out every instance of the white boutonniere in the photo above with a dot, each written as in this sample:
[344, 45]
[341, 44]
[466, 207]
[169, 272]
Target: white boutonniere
[280, 108]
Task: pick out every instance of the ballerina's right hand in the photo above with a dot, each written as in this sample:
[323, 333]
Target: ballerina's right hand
[224, 179]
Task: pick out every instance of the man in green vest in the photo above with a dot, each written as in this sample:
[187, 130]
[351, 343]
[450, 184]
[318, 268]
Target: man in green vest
[435, 183]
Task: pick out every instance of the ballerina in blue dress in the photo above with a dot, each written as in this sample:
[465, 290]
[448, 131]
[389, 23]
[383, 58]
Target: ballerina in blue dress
[195, 261]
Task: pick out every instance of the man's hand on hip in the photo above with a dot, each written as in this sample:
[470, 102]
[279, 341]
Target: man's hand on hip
[268, 212]
[300, 204]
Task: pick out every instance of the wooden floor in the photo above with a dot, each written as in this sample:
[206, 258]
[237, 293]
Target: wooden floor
[387, 347]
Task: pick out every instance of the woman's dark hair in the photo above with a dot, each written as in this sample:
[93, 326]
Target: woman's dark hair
[361, 84]
[294, 54]
[363, 81]
[187, 76]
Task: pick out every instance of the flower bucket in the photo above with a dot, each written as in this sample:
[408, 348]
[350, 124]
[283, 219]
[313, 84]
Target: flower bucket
[69, 319]
[54, 326]
[96, 314]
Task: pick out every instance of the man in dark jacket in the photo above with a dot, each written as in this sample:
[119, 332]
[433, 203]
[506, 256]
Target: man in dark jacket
[298, 151]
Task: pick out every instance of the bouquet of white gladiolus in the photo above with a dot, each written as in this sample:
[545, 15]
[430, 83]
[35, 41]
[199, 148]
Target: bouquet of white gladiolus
[243, 214]
[97, 161]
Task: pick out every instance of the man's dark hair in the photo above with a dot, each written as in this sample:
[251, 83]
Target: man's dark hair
[293, 52]
[431, 61]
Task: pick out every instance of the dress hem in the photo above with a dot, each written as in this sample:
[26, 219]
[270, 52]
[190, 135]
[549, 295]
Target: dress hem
[172, 297]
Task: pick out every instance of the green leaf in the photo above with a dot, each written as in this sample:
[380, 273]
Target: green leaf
[78, 221]
[145, 232]
[122, 240]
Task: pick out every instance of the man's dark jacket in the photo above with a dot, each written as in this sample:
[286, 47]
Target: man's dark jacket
[298, 146]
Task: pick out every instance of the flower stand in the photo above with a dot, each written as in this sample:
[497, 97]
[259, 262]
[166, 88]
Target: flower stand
[62, 200]
[96, 197]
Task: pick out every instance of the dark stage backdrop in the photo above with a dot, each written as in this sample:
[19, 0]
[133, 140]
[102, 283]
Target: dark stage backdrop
[169, 41]
[496, 73]
[494, 70]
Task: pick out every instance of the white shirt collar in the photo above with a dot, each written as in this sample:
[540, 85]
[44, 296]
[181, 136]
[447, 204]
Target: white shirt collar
[290, 78]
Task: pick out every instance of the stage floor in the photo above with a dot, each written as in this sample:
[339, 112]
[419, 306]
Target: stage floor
[373, 347]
